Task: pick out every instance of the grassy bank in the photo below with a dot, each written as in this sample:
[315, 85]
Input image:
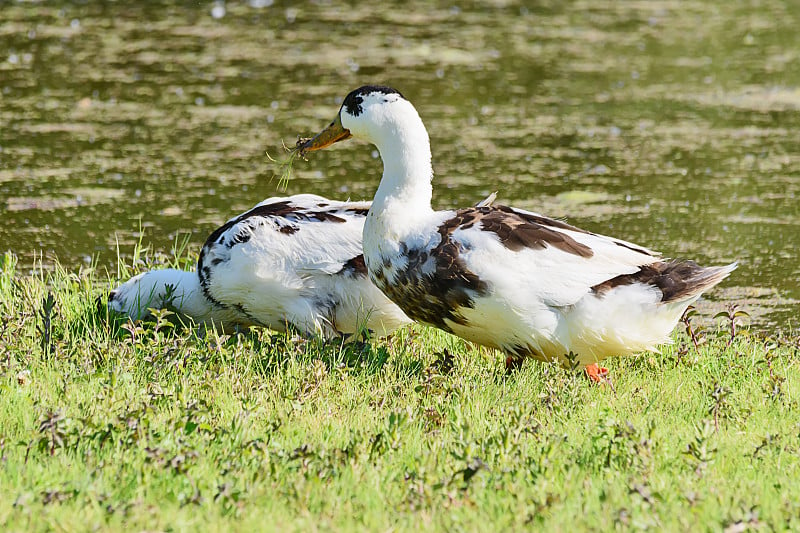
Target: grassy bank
[108, 425]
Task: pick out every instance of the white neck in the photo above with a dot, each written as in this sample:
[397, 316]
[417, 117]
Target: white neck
[188, 296]
[406, 153]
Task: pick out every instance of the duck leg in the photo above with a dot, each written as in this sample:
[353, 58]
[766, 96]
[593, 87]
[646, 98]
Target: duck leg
[597, 374]
[513, 363]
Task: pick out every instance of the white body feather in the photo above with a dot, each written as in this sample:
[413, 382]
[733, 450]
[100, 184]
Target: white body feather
[288, 263]
[540, 300]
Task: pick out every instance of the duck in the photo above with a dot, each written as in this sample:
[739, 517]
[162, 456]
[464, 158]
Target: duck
[289, 264]
[501, 277]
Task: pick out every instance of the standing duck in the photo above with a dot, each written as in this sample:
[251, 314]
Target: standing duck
[289, 262]
[503, 277]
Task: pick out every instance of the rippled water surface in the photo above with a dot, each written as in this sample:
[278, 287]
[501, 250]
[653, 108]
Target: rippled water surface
[669, 123]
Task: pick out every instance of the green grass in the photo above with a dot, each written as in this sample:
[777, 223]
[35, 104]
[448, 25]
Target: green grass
[113, 426]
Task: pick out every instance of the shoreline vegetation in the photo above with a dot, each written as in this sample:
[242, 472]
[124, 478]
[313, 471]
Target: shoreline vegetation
[107, 424]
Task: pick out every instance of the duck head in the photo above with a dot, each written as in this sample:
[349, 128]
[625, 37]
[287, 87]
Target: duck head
[383, 117]
[373, 113]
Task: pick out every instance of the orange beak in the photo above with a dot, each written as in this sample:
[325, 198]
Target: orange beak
[333, 133]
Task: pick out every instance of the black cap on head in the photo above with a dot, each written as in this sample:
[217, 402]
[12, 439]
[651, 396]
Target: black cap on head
[352, 102]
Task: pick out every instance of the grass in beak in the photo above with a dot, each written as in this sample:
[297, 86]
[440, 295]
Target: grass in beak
[283, 169]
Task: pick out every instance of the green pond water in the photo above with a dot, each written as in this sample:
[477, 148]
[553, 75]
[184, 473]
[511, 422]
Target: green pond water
[673, 124]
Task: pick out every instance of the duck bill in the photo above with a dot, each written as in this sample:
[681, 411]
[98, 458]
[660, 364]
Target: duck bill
[333, 133]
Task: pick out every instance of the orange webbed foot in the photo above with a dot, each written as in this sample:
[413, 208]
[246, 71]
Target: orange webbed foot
[597, 374]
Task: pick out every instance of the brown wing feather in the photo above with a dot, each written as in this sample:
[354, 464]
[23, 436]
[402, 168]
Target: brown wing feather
[518, 230]
[677, 280]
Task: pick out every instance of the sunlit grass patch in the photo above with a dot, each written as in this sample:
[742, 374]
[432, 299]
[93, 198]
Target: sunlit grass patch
[149, 425]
